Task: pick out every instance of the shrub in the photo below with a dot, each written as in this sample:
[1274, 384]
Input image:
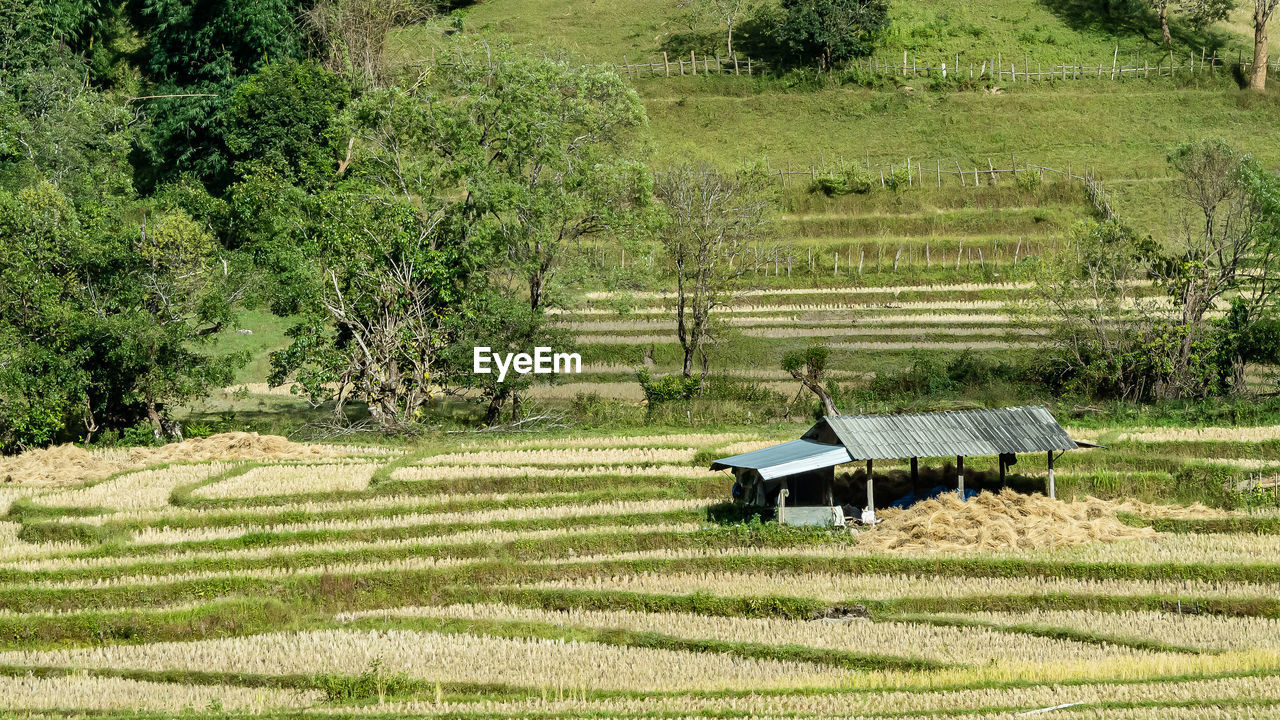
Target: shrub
[1029, 180]
[857, 180]
[898, 179]
[667, 388]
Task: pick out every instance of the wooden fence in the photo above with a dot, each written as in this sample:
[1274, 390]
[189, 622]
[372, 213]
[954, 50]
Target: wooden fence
[923, 173]
[692, 65]
[997, 68]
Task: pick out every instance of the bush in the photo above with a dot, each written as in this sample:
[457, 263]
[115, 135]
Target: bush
[898, 179]
[1029, 180]
[667, 388]
[857, 180]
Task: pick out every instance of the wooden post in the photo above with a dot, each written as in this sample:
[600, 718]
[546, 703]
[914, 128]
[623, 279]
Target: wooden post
[960, 475]
[748, 66]
[666, 64]
[782, 500]
[693, 61]
[939, 173]
[861, 256]
[835, 259]
[1052, 491]
[627, 64]
[960, 173]
[871, 490]
[1114, 56]
[1002, 471]
[915, 477]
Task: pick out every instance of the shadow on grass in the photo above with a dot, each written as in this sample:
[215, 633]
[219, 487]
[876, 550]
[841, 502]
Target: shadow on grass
[1134, 19]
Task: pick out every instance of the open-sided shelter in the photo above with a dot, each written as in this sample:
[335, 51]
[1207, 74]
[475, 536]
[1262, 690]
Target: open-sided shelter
[801, 473]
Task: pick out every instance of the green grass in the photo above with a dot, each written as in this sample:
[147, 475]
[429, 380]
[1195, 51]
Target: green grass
[1052, 31]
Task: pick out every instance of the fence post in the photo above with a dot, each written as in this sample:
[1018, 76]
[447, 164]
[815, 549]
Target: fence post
[1114, 56]
[939, 173]
[666, 64]
[960, 173]
[693, 61]
[627, 64]
[748, 66]
[835, 268]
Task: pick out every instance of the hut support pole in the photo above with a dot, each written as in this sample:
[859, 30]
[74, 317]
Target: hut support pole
[871, 491]
[960, 475]
[915, 476]
[1051, 488]
[782, 500]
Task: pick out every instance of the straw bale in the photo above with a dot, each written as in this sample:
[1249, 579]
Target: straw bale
[1007, 520]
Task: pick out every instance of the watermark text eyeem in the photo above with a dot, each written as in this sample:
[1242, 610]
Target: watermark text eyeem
[543, 361]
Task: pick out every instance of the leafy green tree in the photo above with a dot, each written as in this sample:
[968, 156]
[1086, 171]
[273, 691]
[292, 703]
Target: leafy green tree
[828, 32]
[111, 320]
[809, 367]
[280, 118]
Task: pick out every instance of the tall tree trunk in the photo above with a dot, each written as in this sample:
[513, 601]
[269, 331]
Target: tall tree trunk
[157, 422]
[1261, 14]
[1164, 23]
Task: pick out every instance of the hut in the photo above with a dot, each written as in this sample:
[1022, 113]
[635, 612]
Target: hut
[798, 476]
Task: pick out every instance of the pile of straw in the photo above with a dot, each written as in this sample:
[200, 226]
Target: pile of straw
[1003, 521]
[68, 464]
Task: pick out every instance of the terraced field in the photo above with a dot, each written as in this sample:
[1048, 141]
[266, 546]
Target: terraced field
[582, 577]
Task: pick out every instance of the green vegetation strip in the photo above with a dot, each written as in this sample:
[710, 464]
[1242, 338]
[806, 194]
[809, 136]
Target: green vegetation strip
[1260, 525]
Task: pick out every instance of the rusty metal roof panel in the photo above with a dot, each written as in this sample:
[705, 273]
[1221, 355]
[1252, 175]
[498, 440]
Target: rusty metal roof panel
[960, 432]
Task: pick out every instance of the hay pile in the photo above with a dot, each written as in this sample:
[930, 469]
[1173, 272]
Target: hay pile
[58, 465]
[1137, 507]
[1003, 521]
[230, 446]
[67, 464]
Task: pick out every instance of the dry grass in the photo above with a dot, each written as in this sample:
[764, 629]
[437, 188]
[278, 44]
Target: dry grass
[838, 588]
[292, 480]
[494, 472]
[145, 489]
[1007, 520]
[67, 464]
[448, 658]
[284, 552]
[407, 564]
[967, 646]
[1202, 434]
[579, 456]
[1207, 632]
[84, 692]
[833, 705]
[167, 535]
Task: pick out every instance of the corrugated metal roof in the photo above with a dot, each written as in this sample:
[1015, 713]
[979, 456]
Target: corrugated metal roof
[942, 434]
[789, 458]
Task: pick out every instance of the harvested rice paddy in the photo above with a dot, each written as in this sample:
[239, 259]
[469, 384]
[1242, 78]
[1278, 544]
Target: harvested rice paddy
[573, 576]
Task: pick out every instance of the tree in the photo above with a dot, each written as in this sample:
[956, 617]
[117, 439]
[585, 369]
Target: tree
[808, 366]
[385, 267]
[353, 35]
[1084, 305]
[1226, 248]
[712, 221]
[727, 12]
[1262, 12]
[280, 117]
[831, 31]
[113, 321]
